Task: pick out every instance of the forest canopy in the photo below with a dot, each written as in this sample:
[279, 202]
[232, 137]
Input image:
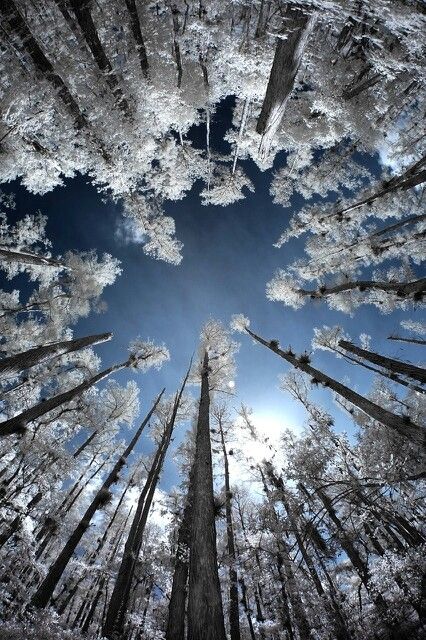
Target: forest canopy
[142, 496]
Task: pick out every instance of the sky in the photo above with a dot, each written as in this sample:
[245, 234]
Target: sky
[228, 258]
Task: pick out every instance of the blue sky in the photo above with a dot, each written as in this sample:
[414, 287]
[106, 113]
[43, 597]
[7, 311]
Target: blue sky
[228, 258]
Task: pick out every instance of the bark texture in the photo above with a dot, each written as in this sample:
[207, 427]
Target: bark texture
[19, 423]
[205, 611]
[287, 59]
[38, 355]
[396, 366]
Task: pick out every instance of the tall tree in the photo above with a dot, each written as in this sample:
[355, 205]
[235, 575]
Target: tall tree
[45, 591]
[37, 355]
[118, 605]
[402, 425]
[143, 355]
[205, 612]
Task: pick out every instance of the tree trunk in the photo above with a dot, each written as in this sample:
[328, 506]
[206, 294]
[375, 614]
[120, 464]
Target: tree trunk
[289, 587]
[340, 630]
[205, 612]
[19, 423]
[38, 355]
[406, 369]
[117, 607]
[45, 591]
[176, 618]
[138, 37]
[411, 340]
[234, 617]
[403, 426]
[416, 288]
[413, 176]
[27, 257]
[17, 25]
[287, 59]
[87, 26]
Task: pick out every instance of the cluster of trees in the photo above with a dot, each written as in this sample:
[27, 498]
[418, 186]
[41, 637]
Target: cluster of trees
[321, 536]
[318, 536]
[111, 89]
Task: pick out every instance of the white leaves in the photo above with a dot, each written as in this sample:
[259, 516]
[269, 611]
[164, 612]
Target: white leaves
[150, 227]
[284, 288]
[239, 323]
[144, 354]
[226, 187]
[215, 340]
[327, 338]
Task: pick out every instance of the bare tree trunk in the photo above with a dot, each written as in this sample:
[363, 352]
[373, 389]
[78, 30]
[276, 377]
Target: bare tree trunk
[416, 288]
[87, 26]
[246, 607]
[340, 630]
[289, 588]
[205, 612]
[413, 176]
[176, 46]
[27, 257]
[37, 355]
[19, 423]
[403, 426]
[287, 59]
[176, 618]
[138, 37]
[115, 616]
[396, 366]
[411, 340]
[45, 591]
[234, 617]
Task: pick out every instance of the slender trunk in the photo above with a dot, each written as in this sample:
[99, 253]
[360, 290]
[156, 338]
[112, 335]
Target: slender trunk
[411, 340]
[27, 257]
[85, 444]
[234, 617]
[205, 612]
[390, 376]
[115, 616]
[406, 369]
[287, 60]
[402, 425]
[176, 46]
[341, 632]
[19, 423]
[38, 355]
[138, 37]
[102, 580]
[289, 587]
[176, 618]
[415, 288]
[246, 607]
[88, 28]
[358, 563]
[45, 591]
[13, 20]
[413, 176]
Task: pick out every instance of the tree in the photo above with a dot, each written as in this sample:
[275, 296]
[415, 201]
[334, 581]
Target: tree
[115, 616]
[38, 355]
[205, 613]
[143, 355]
[288, 55]
[45, 591]
[403, 425]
